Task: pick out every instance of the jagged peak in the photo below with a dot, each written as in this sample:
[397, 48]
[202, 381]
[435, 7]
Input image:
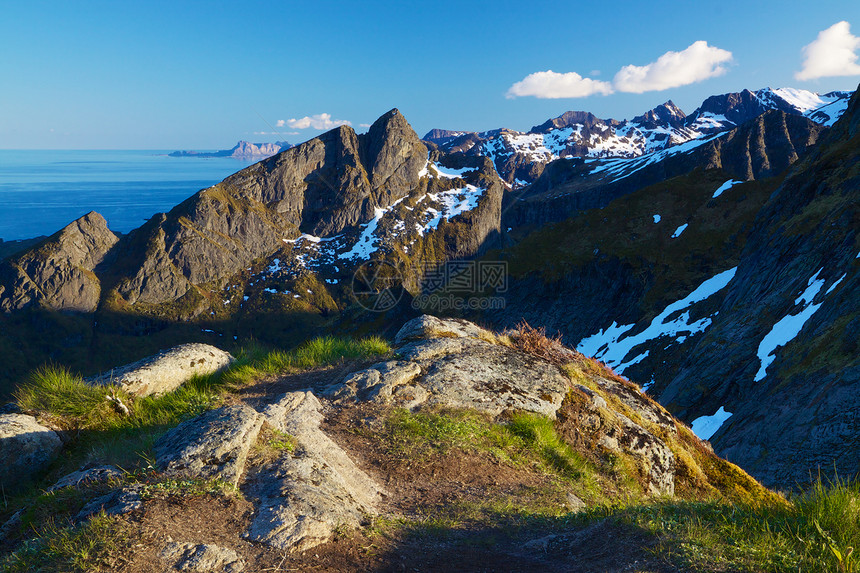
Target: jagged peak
[391, 118]
[568, 119]
[664, 113]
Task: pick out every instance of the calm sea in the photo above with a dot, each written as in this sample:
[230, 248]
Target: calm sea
[43, 191]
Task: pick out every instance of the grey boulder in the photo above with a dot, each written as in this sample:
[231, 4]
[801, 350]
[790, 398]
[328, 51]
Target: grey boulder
[201, 558]
[166, 370]
[26, 448]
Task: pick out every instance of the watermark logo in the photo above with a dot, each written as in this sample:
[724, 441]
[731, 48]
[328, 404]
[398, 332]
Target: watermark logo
[377, 286]
[463, 285]
[454, 285]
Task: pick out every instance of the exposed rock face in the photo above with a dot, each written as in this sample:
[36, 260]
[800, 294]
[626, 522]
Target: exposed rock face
[167, 370]
[201, 558]
[26, 448]
[214, 445]
[59, 274]
[736, 107]
[454, 363]
[319, 187]
[306, 497]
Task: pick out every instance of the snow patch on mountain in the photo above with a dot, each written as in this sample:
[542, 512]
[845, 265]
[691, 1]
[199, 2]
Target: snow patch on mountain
[614, 344]
[789, 326]
[725, 187]
[706, 426]
[679, 230]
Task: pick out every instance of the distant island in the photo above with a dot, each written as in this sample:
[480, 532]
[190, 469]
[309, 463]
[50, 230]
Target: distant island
[242, 150]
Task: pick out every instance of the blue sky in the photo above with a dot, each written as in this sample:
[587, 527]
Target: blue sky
[202, 75]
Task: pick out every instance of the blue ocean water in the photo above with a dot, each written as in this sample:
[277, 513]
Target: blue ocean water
[43, 191]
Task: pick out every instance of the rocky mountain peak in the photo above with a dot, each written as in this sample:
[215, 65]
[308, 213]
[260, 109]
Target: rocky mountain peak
[736, 107]
[442, 136]
[393, 155]
[59, 272]
[667, 113]
[568, 119]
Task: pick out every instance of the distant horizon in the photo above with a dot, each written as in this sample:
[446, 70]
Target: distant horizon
[421, 133]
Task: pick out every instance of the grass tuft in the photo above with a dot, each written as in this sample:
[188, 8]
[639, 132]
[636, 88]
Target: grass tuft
[61, 549]
[253, 362]
[818, 531]
[540, 435]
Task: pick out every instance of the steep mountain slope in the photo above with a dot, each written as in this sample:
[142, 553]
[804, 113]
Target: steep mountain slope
[734, 303]
[521, 157]
[790, 319]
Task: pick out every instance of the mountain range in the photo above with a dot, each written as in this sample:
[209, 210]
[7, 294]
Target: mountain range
[710, 257]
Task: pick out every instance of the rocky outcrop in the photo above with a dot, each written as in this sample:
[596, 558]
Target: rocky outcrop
[305, 497]
[88, 476]
[117, 502]
[201, 558]
[214, 445]
[458, 365]
[455, 364]
[59, 273]
[167, 370]
[26, 448]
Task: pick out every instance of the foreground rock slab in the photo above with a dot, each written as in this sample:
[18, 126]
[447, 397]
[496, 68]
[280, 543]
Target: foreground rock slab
[167, 370]
[305, 497]
[456, 364]
[213, 445]
[26, 448]
[201, 558]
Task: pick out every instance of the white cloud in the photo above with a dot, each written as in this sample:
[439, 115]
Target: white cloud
[673, 69]
[833, 53]
[363, 125]
[551, 85]
[319, 121]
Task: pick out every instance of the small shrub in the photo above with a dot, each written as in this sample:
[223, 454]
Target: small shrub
[536, 342]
